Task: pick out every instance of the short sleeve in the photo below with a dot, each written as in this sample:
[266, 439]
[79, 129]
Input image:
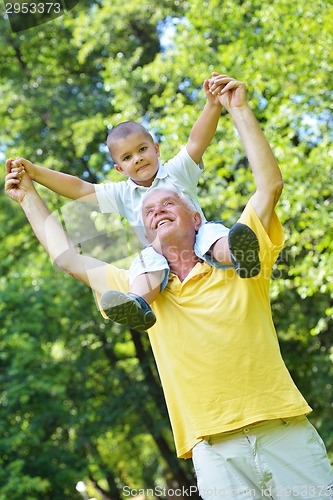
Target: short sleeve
[109, 197]
[184, 170]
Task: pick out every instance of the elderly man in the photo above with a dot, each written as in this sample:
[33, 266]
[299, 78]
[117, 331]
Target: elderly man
[233, 405]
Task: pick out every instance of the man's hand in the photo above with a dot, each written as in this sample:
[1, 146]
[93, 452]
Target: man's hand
[17, 183]
[230, 92]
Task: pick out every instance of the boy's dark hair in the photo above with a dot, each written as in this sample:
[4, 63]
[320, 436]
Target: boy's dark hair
[122, 130]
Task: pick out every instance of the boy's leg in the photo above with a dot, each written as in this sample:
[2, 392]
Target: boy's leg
[148, 285]
[148, 275]
[220, 251]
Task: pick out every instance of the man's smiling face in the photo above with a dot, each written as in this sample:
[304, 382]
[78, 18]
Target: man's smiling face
[166, 216]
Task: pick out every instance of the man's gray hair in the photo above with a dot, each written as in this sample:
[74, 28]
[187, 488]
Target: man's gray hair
[182, 195]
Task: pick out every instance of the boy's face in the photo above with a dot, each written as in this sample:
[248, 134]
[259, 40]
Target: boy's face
[137, 157]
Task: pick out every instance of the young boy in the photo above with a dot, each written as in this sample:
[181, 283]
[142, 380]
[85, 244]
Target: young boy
[136, 155]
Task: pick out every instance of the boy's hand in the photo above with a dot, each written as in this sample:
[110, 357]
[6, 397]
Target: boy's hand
[17, 183]
[21, 164]
[230, 92]
[211, 98]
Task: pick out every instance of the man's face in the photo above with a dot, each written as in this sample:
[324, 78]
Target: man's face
[167, 217]
[137, 157]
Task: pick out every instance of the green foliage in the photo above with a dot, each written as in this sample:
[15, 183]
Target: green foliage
[80, 398]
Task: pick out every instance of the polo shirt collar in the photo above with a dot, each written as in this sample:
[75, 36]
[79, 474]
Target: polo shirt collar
[199, 270]
[161, 174]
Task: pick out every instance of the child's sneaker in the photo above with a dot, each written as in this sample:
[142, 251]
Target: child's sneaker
[128, 309]
[244, 250]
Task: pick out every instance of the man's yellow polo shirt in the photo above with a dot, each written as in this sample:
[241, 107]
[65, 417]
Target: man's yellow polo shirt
[216, 347]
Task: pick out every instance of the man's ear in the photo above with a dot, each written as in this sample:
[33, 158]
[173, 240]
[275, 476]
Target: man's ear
[119, 168]
[197, 219]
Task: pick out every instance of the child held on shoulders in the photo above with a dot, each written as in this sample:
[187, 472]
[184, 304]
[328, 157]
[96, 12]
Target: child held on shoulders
[136, 155]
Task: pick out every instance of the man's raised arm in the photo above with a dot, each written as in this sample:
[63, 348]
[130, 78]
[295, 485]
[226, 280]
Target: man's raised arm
[267, 175]
[51, 235]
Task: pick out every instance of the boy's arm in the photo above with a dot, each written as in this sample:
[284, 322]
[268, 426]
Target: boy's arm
[51, 235]
[59, 182]
[267, 175]
[205, 127]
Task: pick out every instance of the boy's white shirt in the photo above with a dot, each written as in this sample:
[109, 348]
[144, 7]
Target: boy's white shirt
[125, 197]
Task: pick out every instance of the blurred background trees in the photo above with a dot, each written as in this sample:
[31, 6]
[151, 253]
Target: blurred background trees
[80, 397]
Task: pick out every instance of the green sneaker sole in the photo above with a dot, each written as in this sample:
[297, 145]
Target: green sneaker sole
[244, 250]
[128, 309]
